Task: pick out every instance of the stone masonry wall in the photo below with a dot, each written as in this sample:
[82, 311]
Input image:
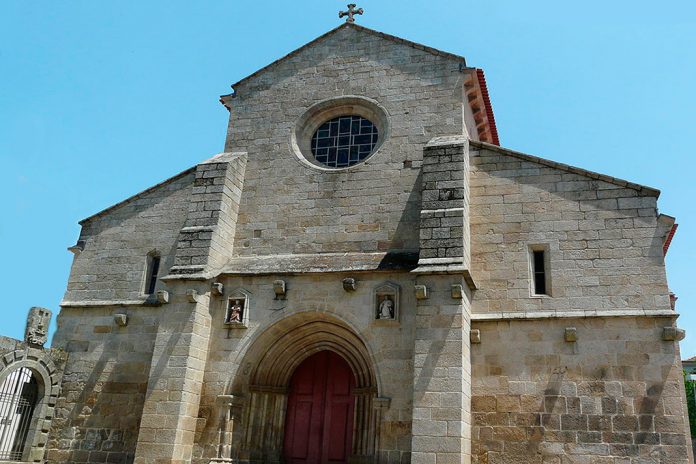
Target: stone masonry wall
[444, 230]
[604, 240]
[441, 430]
[442, 368]
[611, 397]
[310, 297]
[113, 264]
[287, 207]
[175, 380]
[614, 396]
[206, 240]
[98, 413]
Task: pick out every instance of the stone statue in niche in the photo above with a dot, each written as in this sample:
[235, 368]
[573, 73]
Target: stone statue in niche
[38, 321]
[387, 302]
[237, 313]
[386, 308]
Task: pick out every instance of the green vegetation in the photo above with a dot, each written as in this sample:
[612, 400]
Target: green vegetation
[691, 403]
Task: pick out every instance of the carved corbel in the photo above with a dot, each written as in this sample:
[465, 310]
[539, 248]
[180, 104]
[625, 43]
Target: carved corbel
[279, 289]
[475, 336]
[457, 292]
[162, 296]
[121, 320]
[673, 334]
[218, 289]
[349, 284]
[191, 296]
[570, 334]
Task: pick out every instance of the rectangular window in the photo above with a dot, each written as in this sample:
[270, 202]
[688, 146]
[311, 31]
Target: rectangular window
[153, 264]
[539, 273]
[539, 268]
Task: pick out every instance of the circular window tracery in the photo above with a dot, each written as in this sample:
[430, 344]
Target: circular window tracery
[344, 141]
[360, 127]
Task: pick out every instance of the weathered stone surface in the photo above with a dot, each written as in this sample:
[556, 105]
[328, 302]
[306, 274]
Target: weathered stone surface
[121, 319]
[207, 236]
[117, 241]
[379, 192]
[590, 402]
[429, 213]
[603, 254]
[104, 384]
[36, 332]
[46, 369]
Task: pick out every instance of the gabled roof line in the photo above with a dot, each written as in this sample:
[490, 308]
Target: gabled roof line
[282, 58]
[138, 195]
[409, 43]
[219, 158]
[568, 168]
[399, 40]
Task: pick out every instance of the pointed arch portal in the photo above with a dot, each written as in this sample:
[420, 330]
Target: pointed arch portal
[284, 357]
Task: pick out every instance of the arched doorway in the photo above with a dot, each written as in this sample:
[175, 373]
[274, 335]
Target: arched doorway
[29, 386]
[319, 418]
[18, 397]
[273, 358]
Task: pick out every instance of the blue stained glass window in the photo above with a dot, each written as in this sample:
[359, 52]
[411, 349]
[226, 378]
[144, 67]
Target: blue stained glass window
[344, 141]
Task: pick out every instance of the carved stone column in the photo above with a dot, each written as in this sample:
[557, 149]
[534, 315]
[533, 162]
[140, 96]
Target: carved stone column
[380, 406]
[364, 430]
[229, 408]
[265, 422]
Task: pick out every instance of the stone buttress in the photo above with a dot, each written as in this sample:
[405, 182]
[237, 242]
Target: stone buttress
[442, 366]
[180, 355]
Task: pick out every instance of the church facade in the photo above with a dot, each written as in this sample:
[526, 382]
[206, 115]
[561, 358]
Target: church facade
[364, 275]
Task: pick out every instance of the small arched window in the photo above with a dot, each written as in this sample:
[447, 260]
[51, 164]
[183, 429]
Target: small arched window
[19, 395]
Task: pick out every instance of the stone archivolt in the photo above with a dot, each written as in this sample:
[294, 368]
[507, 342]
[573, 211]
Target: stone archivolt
[275, 354]
[49, 377]
[280, 358]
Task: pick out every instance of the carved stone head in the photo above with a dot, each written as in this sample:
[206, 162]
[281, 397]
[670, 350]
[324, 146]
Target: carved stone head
[38, 321]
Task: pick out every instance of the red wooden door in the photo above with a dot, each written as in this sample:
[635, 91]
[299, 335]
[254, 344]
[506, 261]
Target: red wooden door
[319, 419]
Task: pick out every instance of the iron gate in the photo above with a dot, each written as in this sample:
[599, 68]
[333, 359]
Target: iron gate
[18, 395]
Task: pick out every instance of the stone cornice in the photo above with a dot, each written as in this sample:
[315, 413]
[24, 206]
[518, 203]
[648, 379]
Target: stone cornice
[97, 303]
[320, 263]
[572, 314]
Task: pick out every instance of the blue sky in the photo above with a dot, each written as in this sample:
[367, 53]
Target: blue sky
[99, 100]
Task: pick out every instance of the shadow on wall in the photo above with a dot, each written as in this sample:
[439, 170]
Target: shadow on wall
[99, 412]
[616, 391]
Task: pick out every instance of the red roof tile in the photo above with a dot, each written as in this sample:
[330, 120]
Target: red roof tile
[668, 240]
[489, 108]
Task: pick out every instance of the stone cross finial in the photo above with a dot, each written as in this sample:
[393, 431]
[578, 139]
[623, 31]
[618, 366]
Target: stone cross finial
[350, 13]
